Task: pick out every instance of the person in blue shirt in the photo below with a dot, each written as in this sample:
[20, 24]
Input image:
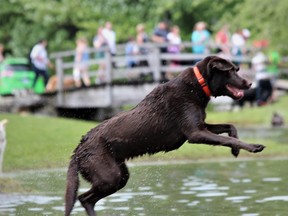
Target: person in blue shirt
[200, 38]
[131, 49]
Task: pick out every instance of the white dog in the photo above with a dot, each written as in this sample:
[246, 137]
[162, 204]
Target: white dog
[2, 141]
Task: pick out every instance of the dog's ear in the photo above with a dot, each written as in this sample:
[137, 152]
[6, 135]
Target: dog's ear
[222, 64]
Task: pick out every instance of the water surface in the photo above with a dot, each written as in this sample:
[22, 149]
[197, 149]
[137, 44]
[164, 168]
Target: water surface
[257, 187]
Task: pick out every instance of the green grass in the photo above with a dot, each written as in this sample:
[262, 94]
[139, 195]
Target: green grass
[36, 142]
[251, 115]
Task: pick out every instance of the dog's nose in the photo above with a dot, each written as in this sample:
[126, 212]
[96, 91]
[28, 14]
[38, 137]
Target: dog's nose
[247, 83]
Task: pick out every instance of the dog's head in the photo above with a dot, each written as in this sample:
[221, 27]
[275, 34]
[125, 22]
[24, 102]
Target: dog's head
[222, 78]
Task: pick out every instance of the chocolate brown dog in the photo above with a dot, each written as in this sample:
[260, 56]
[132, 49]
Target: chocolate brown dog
[170, 115]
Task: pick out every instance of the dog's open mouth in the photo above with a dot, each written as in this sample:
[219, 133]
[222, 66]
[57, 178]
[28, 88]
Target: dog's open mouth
[237, 93]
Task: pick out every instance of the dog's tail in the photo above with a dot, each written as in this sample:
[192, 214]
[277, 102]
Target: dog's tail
[72, 185]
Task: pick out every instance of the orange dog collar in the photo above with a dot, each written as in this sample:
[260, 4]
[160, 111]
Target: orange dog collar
[201, 81]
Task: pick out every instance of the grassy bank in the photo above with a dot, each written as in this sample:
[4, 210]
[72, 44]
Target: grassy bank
[36, 142]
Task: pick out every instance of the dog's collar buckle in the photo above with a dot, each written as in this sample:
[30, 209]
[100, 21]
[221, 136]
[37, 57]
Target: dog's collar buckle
[201, 81]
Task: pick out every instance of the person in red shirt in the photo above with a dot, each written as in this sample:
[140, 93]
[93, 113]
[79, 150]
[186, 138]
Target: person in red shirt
[222, 40]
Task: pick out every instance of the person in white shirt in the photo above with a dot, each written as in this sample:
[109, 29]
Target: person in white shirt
[110, 37]
[264, 86]
[40, 61]
[238, 43]
[174, 47]
[174, 39]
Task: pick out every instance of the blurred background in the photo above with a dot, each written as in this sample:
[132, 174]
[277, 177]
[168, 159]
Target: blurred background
[102, 57]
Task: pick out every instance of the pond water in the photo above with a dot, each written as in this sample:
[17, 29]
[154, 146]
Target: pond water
[247, 188]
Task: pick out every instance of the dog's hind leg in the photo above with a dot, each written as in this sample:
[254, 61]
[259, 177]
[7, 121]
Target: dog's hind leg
[125, 175]
[108, 177]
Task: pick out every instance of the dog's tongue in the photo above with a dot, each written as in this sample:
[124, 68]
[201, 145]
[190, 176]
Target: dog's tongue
[238, 93]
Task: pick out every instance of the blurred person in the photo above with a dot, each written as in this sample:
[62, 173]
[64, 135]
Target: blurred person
[274, 61]
[246, 33]
[80, 70]
[160, 35]
[263, 78]
[110, 37]
[99, 42]
[174, 47]
[141, 39]
[40, 61]
[222, 40]
[174, 39]
[200, 38]
[131, 49]
[238, 41]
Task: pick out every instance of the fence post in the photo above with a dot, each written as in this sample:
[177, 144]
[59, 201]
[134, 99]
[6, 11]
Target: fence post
[108, 72]
[156, 63]
[60, 78]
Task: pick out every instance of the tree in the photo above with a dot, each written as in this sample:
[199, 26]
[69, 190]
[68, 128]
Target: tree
[24, 22]
[265, 19]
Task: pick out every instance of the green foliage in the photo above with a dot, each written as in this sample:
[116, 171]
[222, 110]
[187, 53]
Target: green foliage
[265, 19]
[24, 22]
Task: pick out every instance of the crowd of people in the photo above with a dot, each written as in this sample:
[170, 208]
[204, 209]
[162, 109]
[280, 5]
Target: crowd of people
[225, 44]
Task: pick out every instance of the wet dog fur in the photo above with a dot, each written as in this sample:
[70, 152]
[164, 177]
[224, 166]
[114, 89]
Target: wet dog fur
[173, 113]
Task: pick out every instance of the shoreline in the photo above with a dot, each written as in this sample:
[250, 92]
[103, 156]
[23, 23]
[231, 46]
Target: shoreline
[132, 164]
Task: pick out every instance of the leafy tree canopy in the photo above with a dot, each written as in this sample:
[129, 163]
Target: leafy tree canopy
[24, 22]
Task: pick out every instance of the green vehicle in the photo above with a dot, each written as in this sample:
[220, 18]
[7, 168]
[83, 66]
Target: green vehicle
[16, 75]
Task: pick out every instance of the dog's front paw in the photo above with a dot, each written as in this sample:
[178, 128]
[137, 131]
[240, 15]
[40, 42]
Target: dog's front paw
[257, 148]
[235, 151]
